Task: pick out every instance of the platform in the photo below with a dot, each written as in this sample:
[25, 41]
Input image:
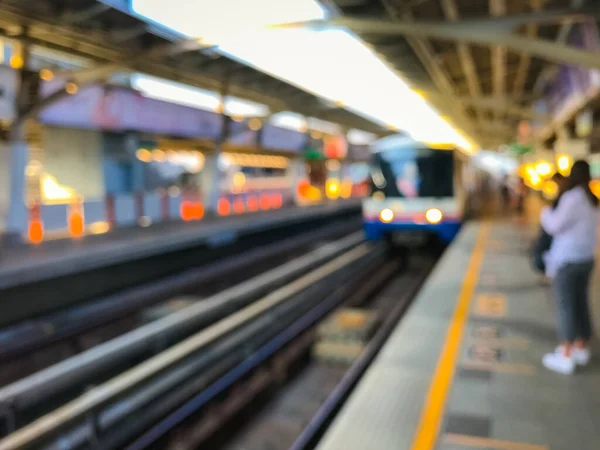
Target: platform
[462, 370]
[22, 264]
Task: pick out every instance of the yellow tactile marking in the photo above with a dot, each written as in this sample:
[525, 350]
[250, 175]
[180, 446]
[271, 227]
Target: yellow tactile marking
[491, 305]
[496, 366]
[464, 440]
[431, 416]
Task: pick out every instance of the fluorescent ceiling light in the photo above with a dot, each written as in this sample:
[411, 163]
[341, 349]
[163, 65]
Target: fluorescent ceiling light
[194, 97]
[333, 64]
[359, 137]
[291, 121]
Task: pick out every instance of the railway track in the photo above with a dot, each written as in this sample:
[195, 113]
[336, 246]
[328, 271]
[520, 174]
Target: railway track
[293, 409]
[39, 343]
[41, 392]
[204, 379]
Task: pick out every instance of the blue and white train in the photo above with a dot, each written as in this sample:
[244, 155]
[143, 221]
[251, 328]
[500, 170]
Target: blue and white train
[417, 192]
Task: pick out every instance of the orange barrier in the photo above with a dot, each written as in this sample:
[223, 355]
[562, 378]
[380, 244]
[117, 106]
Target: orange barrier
[191, 210]
[276, 200]
[35, 229]
[186, 210]
[223, 207]
[252, 202]
[238, 206]
[198, 211]
[264, 202]
[75, 219]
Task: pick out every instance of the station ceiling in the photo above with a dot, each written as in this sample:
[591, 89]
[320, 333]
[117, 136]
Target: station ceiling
[478, 62]
[484, 83]
[111, 38]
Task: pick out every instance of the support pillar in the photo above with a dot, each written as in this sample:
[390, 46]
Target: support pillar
[210, 182]
[211, 174]
[16, 223]
[296, 174]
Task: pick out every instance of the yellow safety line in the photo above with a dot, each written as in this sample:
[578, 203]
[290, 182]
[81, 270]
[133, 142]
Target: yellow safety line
[431, 416]
[464, 440]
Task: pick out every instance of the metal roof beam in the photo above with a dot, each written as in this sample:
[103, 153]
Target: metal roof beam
[426, 54]
[464, 52]
[492, 103]
[498, 9]
[496, 126]
[551, 51]
[126, 34]
[70, 17]
[503, 24]
[525, 59]
[99, 48]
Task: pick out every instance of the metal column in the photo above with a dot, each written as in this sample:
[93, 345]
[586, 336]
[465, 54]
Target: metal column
[211, 180]
[16, 223]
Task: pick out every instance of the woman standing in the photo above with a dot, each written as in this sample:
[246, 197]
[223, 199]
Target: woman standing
[569, 263]
[544, 240]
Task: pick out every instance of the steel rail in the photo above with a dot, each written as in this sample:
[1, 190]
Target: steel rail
[310, 435]
[99, 396]
[17, 340]
[64, 374]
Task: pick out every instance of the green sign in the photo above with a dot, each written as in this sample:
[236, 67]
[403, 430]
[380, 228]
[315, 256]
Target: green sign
[520, 149]
[313, 154]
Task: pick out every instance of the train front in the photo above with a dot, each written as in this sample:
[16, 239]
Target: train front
[416, 194]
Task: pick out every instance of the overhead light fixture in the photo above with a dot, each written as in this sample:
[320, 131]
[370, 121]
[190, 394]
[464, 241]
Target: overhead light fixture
[291, 54]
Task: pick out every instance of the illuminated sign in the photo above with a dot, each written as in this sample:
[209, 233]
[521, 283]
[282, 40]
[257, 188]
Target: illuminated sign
[335, 147]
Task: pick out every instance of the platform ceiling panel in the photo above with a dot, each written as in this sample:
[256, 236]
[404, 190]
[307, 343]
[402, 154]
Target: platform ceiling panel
[493, 86]
[106, 35]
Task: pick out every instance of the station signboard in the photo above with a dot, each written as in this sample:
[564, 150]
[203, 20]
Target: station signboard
[241, 134]
[120, 109]
[282, 139]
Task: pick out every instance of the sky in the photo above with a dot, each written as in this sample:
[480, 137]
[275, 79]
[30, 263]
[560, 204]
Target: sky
[333, 63]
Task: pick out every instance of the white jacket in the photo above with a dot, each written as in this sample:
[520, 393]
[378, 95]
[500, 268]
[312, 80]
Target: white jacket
[573, 227]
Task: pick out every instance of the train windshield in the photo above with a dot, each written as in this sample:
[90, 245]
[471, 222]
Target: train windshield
[414, 173]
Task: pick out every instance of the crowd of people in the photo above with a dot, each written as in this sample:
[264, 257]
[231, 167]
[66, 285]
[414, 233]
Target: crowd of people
[565, 252]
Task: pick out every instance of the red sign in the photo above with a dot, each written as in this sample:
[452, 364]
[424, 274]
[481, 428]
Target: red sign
[335, 147]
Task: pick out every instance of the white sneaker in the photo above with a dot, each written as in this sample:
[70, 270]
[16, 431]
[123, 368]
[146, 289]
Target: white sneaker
[581, 356]
[559, 363]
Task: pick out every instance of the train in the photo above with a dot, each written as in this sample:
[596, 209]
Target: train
[418, 193]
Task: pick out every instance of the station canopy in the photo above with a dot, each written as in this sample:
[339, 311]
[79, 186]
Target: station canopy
[457, 71]
[483, 64]
[111, 38]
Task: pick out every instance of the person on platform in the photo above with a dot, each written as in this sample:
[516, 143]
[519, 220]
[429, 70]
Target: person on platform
[543, 242]
[569, 264]
[520, 195]
[505, 191]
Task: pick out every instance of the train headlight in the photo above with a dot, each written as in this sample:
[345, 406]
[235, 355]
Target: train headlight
[386, 215]
[433, 216]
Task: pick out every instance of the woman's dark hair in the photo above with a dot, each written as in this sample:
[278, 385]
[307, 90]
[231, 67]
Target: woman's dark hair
[580, 177]
[559, 179]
